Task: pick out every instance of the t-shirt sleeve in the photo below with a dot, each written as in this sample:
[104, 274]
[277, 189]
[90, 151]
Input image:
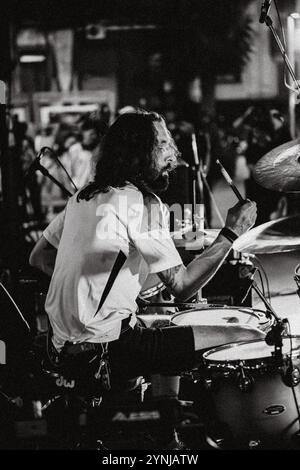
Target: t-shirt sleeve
[54, 230]
[149, 232]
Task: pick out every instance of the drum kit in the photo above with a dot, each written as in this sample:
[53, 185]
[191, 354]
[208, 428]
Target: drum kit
[254, 385]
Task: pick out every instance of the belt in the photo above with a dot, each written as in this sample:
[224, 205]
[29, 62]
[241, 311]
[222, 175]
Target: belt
[76, 348]
[125, 324]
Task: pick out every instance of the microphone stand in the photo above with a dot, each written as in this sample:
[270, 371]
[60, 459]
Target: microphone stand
[46, 173]
[274, 336]
[208, 188]
[287, 62]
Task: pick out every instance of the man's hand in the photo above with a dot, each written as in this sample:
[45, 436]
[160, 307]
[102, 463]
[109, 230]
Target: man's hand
[241, 217]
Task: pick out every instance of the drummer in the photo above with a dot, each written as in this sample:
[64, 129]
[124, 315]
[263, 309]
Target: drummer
[112, 234]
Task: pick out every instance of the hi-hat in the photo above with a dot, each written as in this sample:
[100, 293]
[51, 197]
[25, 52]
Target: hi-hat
[279, 169]
[272, 237]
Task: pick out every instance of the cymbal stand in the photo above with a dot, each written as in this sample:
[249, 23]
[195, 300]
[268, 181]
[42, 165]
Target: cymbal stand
[197, 180]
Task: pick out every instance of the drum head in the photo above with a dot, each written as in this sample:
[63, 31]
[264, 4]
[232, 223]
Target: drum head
[217, 316]
[250, 350]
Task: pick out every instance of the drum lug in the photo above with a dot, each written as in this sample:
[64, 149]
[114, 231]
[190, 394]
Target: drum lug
[208, 383]
[244, 381]
[254, 444]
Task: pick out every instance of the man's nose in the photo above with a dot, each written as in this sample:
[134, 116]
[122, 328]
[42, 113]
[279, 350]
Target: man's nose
[172, 158]
[171, 155]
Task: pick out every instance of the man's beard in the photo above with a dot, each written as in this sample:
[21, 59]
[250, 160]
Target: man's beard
[156, 182]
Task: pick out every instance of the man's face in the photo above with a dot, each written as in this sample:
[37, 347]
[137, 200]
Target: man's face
[164, 159]
[89, 139]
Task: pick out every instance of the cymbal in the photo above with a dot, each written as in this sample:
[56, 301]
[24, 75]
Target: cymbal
[272, 237]
[279, 169]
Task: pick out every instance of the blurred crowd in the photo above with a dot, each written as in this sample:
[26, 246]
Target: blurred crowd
[238, 144]
[67, 151]
[71, 150]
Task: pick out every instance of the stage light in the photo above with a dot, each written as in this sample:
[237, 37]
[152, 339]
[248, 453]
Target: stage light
[31, 46]
[31, 58]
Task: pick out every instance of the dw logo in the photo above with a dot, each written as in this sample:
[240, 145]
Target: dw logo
[62, 382]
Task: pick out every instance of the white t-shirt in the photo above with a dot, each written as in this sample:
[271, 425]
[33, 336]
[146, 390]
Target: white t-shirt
[80, 164]
[107, 246]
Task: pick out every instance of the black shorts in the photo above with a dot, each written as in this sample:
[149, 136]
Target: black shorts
[144, 351]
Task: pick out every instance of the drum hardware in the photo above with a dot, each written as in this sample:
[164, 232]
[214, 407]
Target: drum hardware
[245, 382]
[297, 279]
[274, 336]
[178, 304]
[290, 373]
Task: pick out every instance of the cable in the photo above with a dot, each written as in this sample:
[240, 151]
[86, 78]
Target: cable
[266, 277]
[15, 305]
[262, 283]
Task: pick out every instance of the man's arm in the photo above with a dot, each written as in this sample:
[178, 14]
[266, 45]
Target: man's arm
[184, 282]
[43, 256]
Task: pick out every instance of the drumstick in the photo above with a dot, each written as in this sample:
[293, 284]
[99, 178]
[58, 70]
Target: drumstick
[230, 182]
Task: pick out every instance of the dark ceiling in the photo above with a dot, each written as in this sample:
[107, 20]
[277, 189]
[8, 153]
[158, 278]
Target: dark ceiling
[68, 13]
[60, 13]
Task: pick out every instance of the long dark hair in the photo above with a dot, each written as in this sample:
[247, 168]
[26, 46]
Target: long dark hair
[125, 153]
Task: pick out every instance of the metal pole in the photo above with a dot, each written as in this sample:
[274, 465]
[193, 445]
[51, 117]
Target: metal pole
[292, 96]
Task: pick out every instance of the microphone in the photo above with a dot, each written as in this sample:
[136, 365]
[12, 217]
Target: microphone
[264, 10]
[274, 336]
[34, 165]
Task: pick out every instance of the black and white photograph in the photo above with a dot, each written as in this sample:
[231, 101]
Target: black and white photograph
[149, 229]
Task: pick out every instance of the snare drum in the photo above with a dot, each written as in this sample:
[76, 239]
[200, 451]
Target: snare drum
[219, 315]
[251, 395]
